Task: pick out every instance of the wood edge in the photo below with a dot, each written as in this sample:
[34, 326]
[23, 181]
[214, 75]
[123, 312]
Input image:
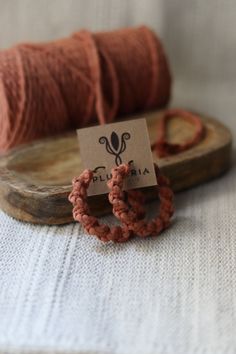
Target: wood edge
[9, 175]
[22, 195]
[10, 204]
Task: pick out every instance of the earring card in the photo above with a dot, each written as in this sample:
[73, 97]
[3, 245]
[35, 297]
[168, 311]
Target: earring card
[106, 146]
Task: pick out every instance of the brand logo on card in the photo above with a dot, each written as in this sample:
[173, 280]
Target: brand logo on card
[116, 146]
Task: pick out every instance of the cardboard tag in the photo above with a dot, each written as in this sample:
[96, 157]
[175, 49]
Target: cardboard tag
[106, 146]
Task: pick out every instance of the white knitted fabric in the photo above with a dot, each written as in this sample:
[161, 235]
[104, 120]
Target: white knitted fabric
[63, 291]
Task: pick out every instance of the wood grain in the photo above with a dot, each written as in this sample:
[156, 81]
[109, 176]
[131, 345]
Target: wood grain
[35, 179]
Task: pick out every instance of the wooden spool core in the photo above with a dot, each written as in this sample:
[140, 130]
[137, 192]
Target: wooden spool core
[35, 179]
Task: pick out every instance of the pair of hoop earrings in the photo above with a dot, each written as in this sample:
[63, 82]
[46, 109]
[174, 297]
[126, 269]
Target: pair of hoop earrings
[127, 207]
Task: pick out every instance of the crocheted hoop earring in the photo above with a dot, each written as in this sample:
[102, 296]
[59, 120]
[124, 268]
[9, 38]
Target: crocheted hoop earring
[141, 227]
[78, 197]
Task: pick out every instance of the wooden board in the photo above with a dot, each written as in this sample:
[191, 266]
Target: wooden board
[35, 179]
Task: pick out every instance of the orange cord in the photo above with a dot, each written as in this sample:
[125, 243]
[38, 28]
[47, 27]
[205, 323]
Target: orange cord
[130, 212]
[162, 147]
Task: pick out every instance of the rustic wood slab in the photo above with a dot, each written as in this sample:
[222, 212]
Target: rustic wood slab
[35, 179]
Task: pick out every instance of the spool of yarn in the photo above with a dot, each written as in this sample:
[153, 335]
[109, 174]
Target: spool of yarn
[53, 87]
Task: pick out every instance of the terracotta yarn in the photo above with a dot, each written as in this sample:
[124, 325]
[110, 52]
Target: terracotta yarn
[78, 197]
[162, 147]
[52, 87]
[130, 212]
[128, 217]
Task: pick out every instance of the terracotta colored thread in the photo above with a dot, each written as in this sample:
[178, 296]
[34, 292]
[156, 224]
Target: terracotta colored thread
[50, 88]
[130, 212]
[127, 216]
[78, 198]
[162, 147]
